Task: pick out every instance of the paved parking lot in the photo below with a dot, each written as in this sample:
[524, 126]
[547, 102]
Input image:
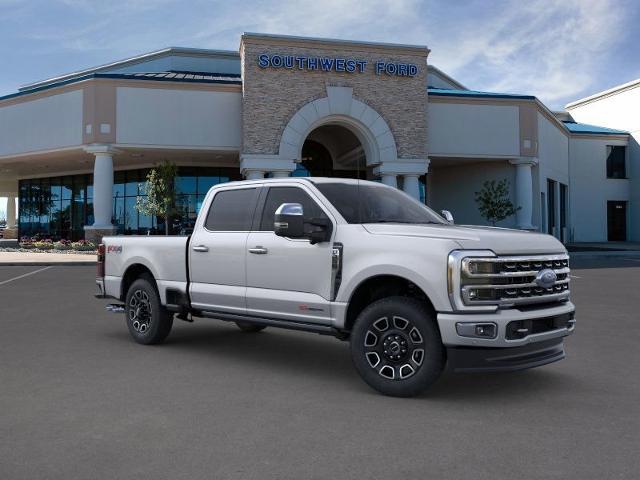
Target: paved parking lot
[78, 399]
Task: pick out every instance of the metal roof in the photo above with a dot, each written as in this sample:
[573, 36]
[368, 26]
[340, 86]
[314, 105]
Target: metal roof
[575, 127]
[186, 77]
[145, 57]
[444, 92]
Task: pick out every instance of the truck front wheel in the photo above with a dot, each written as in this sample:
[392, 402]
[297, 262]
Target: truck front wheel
[396, 346]
[147, 319]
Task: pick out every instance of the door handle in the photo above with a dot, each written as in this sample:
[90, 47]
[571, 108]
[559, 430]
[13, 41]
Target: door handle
[258, 250]
[200, 248]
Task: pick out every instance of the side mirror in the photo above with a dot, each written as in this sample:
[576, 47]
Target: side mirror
[447, 216]
[289, 221]
[320, 230]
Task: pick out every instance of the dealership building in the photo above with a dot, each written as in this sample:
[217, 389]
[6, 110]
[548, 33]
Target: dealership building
[75, 149]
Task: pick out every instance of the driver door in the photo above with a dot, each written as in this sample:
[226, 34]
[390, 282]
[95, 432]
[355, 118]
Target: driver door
[288, 278]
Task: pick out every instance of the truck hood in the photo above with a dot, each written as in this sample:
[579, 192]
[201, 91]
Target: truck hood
[502, 241]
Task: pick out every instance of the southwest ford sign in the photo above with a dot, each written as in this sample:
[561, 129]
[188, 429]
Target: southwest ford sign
[331, 64]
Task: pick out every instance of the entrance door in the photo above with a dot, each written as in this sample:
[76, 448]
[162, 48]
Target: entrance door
[617, 221]
[288, 278]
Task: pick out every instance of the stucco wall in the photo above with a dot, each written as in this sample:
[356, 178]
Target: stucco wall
[464, 129]
[165, 117]
[271, 96]
[590, 189]
[45, 123]
[553, 158]
[621, 111]
[453, 188]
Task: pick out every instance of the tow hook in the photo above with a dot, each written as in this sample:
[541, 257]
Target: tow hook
[115, 308]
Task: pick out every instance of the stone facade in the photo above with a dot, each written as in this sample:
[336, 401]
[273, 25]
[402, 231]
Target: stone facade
[272, 96]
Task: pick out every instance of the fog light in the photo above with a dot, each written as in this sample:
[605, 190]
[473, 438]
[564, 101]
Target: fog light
[477, 330]
[486, 330]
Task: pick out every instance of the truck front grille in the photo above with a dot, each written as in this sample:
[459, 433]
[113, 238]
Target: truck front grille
[511, 281]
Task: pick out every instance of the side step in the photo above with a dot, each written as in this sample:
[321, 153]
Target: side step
[272, 322]
[115, 308]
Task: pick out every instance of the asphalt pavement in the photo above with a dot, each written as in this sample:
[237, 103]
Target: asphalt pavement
[80, 400]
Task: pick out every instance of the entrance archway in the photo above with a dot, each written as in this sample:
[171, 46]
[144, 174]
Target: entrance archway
[333, 150]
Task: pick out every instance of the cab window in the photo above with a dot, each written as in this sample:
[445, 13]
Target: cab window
[276, 196]
[232, 211]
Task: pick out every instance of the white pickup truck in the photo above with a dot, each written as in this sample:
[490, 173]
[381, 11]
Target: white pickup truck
[360, 261]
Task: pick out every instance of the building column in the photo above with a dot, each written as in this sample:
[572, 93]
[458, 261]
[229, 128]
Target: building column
[411, 185]
[524, 191]
[11, 232]
[254, 166]
[11, 212]
[253, 174]
[390, 179]
[102, 192]
[410, 169]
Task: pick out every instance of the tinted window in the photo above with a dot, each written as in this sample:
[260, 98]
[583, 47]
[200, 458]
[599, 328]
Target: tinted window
[279, 195]
[616, 167]
[232, 211]
[368, 203]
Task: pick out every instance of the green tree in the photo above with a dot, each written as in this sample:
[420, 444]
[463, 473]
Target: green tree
[493, 201]
[160, 199]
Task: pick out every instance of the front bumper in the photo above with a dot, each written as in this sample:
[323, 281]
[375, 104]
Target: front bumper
[449, 324]
[474, 359]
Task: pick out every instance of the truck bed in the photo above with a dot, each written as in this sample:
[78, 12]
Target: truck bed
[165, 257]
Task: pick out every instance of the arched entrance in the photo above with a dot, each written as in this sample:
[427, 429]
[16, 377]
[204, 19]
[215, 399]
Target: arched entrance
[333, 150]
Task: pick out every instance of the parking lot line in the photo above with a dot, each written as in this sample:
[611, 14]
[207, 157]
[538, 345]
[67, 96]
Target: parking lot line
[25, 275]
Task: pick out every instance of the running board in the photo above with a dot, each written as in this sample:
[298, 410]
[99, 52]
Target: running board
[115, 308]
[272, 322]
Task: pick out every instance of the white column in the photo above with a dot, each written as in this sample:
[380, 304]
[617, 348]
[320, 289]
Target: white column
[411, 185]
[524, 191]
[102, 192]
[390, 179]
[253, 174]
[11, 212]
[280, 174]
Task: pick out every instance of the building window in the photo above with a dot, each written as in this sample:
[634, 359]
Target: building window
[60, 207]
[616, 161]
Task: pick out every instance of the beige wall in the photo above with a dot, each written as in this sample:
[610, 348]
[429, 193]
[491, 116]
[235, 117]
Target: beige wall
[49, 122]
[462, 129]
[185, 117]
[272, 96]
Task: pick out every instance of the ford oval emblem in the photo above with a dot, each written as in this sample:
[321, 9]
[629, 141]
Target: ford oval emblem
[546, 278]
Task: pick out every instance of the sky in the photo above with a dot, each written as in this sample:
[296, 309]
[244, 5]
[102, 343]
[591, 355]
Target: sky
[558, 50]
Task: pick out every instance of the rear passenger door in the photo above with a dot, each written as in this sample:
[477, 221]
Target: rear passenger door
[288, 278]
[217, 252]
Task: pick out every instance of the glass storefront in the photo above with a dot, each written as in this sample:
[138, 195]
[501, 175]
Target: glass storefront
[59, 207]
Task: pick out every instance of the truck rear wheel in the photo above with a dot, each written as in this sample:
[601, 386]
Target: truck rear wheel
[147, 319]
[396, 346]
[250, 327]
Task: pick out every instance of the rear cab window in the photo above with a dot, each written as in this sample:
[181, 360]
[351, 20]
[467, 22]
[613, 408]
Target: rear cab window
[232, 210]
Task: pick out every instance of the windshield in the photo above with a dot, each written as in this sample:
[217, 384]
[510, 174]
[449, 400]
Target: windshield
[366, 203]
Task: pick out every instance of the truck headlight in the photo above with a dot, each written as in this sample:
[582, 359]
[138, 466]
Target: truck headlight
[460, 264]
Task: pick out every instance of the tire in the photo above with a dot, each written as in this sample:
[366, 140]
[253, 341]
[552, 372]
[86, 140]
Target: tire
[250, 327]
[148, 321]
[396, 346]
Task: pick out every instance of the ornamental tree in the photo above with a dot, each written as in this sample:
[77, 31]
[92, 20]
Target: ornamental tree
[493, 201]
[160, 199]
